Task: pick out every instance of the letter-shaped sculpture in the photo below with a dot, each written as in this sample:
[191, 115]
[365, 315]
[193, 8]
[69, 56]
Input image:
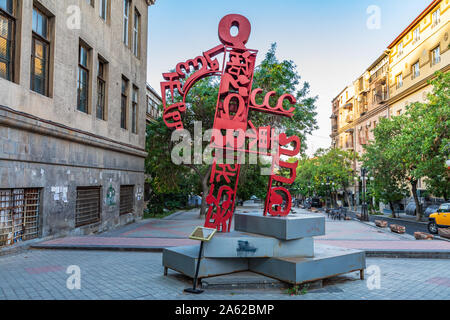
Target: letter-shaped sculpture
[236, 100]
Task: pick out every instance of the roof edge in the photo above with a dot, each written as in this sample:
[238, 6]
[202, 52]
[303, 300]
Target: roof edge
[427, 10]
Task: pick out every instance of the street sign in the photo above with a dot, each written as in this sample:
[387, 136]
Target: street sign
[203, 234]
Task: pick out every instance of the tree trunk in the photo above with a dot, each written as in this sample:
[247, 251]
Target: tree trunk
[416, 199]
[205, 188]
[347, 197]
[391, 205]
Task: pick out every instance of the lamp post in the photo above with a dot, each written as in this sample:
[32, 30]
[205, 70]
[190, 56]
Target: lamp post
[364, 211]
[329, 190]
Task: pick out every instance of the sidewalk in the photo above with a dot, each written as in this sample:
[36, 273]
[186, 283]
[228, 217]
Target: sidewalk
[154, 235]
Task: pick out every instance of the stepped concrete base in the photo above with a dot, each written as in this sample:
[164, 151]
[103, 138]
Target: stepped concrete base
[242, 280]
[327, 262]
[184, 260]
[247, 245]
[294, 226]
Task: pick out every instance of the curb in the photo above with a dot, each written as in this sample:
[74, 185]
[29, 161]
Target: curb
[371, 253]
[97, 248]
[407, 254]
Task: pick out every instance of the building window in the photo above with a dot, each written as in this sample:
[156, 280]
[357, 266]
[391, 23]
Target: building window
[126, 199]
[101, 88]
[91, 2]
[83, 79]
[19, 215]
[399, 81]
[126, 20]
[123, 104]
[436, 55]
[136, 32]
[436, 17]
[416, 70]
[40, 52]
[103, 9]
[88, 206]
[134, 109]
[7, 36]
[400, 48]
[416, 34]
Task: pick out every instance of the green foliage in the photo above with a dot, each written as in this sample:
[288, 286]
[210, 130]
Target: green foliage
[413, 146]
[389, 183]
[167, 179]
[326, 173]
[283, 77]
[298, 290]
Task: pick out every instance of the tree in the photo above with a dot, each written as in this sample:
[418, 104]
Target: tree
[326, 173]
[388, 185]
[281, 77]
[414, 146]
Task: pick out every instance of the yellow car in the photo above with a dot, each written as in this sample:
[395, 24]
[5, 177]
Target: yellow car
[440, 219]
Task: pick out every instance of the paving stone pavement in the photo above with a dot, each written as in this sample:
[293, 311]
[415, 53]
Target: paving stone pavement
[41, 274]
[175, 230]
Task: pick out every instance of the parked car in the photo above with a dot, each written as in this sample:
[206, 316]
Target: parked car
[410, 209]
[315, 202]
[430, 210]
[440, 219]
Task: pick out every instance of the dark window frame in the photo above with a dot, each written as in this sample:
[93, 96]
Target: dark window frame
[101, 89]
[124, 103]
[83, 68]
[10, 17]
[36, 37]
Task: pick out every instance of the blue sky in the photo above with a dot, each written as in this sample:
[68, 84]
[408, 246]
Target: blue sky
[328, 40]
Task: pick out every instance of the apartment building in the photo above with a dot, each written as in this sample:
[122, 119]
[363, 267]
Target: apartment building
[72, 129]
[416, 54]
[397, 78]
[342, 119]
[154, 100]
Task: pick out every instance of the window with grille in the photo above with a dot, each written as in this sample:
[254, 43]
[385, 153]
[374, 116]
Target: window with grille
[126, 199]
[19, 215]
[88, 206]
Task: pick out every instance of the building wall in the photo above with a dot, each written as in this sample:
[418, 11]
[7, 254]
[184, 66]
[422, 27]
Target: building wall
[367, 111]
[414, 89]
[46, 143]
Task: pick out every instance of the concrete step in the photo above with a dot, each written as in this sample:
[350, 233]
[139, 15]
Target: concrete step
[326, 263]
[184, 260]
[294, 226]
[247, 245]
[242, 280]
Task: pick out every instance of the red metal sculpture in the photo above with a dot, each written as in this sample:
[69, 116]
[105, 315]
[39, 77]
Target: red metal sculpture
[235, 101]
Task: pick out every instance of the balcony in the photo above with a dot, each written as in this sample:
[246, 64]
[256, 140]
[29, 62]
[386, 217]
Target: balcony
[381, 97]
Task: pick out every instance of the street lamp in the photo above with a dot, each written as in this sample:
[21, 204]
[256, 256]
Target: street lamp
[364, 211]
[329, 190]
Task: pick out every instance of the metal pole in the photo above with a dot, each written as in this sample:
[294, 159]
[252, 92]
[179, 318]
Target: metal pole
[194, 289]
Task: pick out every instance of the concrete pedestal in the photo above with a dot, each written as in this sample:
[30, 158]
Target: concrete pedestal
[280, 248]
[294, 226]
[247, 245]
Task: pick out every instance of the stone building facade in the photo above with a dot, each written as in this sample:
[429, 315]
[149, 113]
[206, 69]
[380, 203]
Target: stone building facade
[72, 116]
